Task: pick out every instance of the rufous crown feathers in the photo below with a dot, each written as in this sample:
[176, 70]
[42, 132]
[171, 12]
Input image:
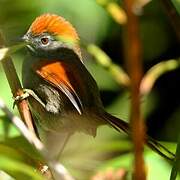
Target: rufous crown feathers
[58, 26]
[53, 24]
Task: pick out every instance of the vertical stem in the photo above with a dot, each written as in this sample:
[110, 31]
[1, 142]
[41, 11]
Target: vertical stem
[134, 66]
[16, 88]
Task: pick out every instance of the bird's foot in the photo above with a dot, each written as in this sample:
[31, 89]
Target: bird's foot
[20, 97]
[27, 93]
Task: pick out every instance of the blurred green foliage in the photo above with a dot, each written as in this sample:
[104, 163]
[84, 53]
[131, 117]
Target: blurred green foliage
[177, 5]
[96, 26]
[176, 165]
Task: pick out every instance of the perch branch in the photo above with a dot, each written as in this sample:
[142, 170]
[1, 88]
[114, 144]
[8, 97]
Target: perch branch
[16, 88]
[134, 66]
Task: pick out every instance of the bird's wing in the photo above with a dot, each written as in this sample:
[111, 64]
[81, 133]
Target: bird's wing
[55, 73]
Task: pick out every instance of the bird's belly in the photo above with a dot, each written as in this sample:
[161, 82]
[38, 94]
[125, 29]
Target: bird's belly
[59, 115]
[67, 121]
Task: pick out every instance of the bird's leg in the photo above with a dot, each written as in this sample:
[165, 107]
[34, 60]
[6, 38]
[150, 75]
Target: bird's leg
[27, 93]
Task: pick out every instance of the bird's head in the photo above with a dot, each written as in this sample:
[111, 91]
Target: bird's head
[50, 32]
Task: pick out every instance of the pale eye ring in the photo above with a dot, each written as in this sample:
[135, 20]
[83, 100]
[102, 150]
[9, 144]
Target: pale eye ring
[45, 40]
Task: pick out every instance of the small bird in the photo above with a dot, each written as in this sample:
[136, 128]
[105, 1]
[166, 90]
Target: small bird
[64, 97]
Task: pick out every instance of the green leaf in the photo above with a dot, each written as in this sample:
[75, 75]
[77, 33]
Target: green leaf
[17, 169]
[176, 165]
[22, 149]
[12, 144]
[7, 129]
[11, 152]
[10, 138]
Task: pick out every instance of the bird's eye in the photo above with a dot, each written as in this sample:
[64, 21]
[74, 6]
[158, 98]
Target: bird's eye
[45, 40]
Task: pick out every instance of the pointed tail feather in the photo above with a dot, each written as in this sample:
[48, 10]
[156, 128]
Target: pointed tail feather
[121, 125]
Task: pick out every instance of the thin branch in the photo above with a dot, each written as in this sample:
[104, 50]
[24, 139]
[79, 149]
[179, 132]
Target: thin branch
[134, 66]
[116, 12]
[16, 88]
[105, 61]
[155, 72]
[172, 15]
[59, 170]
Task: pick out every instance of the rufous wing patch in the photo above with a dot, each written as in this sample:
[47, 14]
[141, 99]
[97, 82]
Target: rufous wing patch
[54, 72]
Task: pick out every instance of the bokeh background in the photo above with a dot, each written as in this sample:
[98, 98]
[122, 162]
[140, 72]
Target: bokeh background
[95, 25]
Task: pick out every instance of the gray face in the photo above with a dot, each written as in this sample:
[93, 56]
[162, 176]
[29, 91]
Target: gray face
[43, 42]
[48, 45]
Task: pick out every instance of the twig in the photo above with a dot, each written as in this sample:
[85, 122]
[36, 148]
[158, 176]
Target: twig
[134, 65]
[16, 88]
[173, 16]
[117, 13]
[155, 72]
[59, 170]
[105, 61]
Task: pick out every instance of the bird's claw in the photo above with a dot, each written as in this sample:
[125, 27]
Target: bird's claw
[27, 93]
[21, 97]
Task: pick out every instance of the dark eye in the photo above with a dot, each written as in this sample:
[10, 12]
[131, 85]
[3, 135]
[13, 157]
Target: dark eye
[45, 40]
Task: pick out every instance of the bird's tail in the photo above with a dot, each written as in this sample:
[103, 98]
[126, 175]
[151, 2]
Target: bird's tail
[121, 125]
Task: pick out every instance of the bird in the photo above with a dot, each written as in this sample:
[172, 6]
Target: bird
[64, 97]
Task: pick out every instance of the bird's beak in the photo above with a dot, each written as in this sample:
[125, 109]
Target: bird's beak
[25, 38]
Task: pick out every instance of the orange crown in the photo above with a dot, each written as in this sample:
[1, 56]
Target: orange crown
[54, 24]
